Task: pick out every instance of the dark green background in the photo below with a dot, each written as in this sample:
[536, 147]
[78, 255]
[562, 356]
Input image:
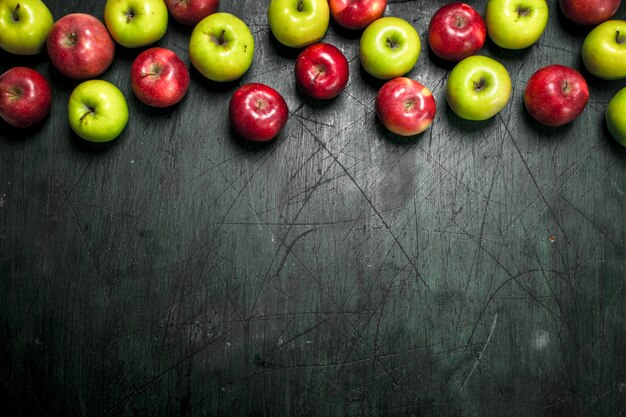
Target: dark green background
[337, 271]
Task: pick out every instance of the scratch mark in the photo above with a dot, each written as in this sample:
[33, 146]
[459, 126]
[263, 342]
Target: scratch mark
[480, 355]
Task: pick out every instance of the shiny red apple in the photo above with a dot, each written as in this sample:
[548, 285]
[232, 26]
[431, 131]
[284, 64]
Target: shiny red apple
[322, 71]
[159, 77]
[80, 46]
[556, 95]
[257, 112]
[405, 106]
[456, 31]
[356, 14]
[589, 12]
[25, 97]
[190, 12]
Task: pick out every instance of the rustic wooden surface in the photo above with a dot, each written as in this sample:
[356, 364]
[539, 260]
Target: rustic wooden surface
[474, 270]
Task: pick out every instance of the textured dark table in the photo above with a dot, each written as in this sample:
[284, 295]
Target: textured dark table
[475, 270]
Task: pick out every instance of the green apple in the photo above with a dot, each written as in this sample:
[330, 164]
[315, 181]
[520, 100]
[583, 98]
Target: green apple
[604, 50]
[298, 23]
[97, 111]
[516, 24]
[136, 23]
[24, 26]
[221, 47]
[389, 48]
[478, 88]
[616, 117]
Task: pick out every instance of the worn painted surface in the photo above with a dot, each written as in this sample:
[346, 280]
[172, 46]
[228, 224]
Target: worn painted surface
[475, 270]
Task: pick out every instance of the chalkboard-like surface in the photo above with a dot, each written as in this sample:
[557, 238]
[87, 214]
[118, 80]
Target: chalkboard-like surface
[475, 270]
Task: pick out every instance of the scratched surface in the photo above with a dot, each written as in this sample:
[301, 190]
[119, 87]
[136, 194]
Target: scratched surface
[475, 270]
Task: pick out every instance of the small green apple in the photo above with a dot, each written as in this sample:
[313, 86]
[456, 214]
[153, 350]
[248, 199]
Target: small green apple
[24, 26]
[516, 24]
[97, 111]
[221, 47]
[616, 117]
[478, 88]
[604, 50]
[298, 23]
[136, 23]
[389, 48]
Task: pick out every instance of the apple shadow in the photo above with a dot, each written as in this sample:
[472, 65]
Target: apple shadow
[503, 55]
[315, 103]
[460, 124]
[254, 146]
[21, 134]
[158, 113]
[542, 131]
[83, 145]
[58, 80]
[370, 80]
[210, 85]
[284, 51]
[598, 84]
[8, 60]
[345, 32]
[440, 62]
[570, 27]
[614, 145]
[179, 27]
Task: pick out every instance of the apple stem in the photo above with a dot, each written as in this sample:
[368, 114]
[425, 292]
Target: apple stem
[220, 40]
[480, 85]
[522, 11]
[16, 16]
[73, 38]
[300, 5]
[90, 111]
[620, 39]
[565, 87]
[460, 22]
[130, 15]
[391, 43]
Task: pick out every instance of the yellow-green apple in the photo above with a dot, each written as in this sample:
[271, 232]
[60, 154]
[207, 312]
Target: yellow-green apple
[257, 112]
[190, 12]
[616, 117]
[80, 47]
[221, 47]
[356, 14]
[589, 12]
[456, 31]
[24, 26]
[604, 50]
[298, 23]
[322, 71]
[478, 88]
[97, 111]
[136, 23]
[556, 95]
[405, 107]
[389, 48]
[25, 97]
[516, 24]
[159, 78]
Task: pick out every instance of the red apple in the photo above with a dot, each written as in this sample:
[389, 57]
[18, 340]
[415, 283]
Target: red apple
[322, 71]
[25, 97]
[456, 31]
[356, 14]
[257, 112]
[589, 12]
[190, 12]
[556, 95]
[405, 106]
[159, 77]
[80, 46]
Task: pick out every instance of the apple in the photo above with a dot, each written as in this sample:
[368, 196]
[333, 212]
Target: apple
[456, 31]
[80, 47]
[405, 106]
[257, 112]
[221, 47]
[589, 12]
[616, 117]
[356, 14]
[389, 48]
[556, 95]
[136, 23]
[516, 24]
[322, 71]
[24, 26]
[25, 97]
[604, 50]
[97, 111]
[159, 78]
[298, 23]
[190, 12]
[478, 88]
